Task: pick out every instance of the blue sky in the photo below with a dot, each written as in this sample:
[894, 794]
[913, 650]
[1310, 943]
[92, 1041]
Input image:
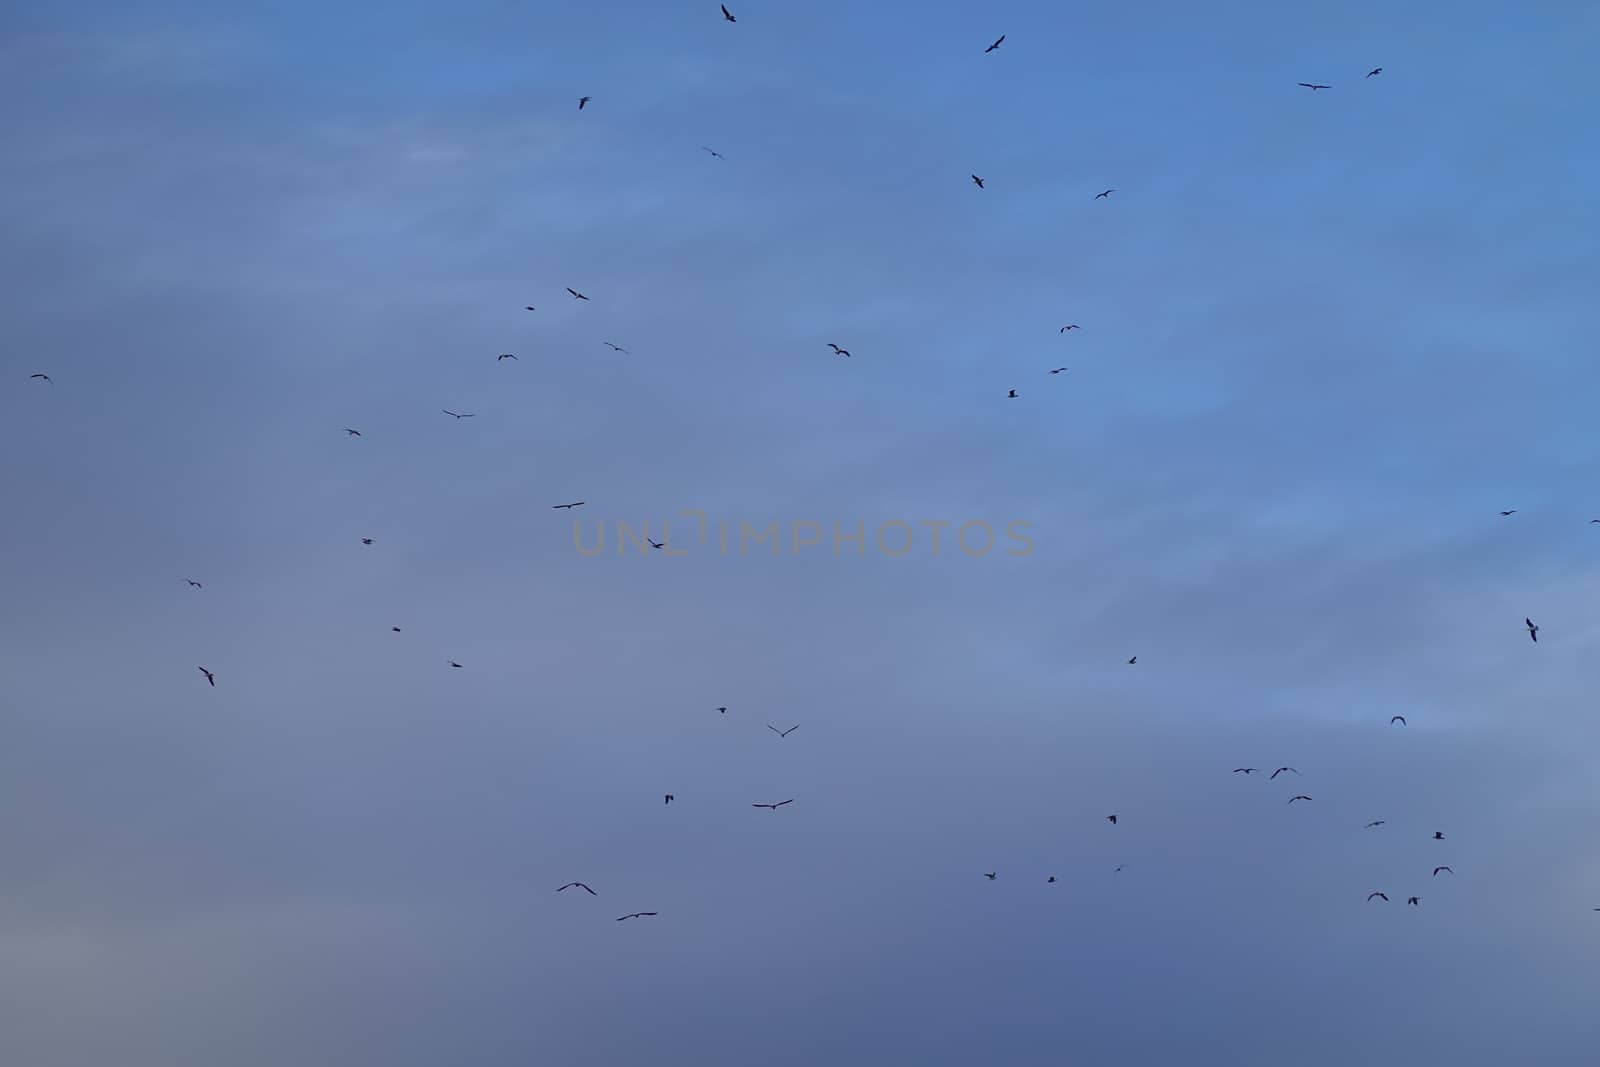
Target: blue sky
[1325, 338]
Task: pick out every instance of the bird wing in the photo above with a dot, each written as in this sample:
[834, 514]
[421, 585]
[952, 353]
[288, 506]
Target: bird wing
[586, 889]
[774, 729]
[781, 803]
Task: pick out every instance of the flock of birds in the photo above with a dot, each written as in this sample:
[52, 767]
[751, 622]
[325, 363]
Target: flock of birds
[583, 101]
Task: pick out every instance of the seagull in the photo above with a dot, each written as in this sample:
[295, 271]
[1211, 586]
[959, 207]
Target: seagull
[46, 377]
[1245, 770]
[1370, 825]
[583, 100]
[447, 411]
[990, 875]
[727, 14]
[837, 350]
[454, 664]
[1436, 871]
[992, 47]
[776, 806]
[1437, 836]
[1401, 719]
[1073, 325]
[1102, 196]
[1058, 370]
[575, 294]
[615, 348]
[1533, 631]
[783, 733]
[1413, 900]
[713, 152]
[1374, 70]
[1011, 394]
[1513, 511]
[1385, 896]
[669, 798]
[366, 540]
[635, 915]
[1133, 659]
[209, 676]
[1300, 796]
[1279, 771]
[352, 433]
[581, 886]
[978, 181]
[557, 507]
[1313, 88]
[194, 583]
[505, 355]
[1112, 819]
[723, 710]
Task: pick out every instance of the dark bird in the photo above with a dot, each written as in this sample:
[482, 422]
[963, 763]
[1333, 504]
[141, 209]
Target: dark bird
[669, 798]
[1436, 871]
[990, 875]
[992, 47]
[1133, 659]
[977, 181]
[1413, 900]
[454, 664]
[1118, 869]
[1279, 771]
[783, 733]
[1370, 825]
[1384, 896]
[1308, 85]
[1050, 879]
[776, 806]
[1513, 511]
[1073, 325]
[635, 915]
[581, 886]
[1058, 370]
[194, 583]
[1374, 70]
[1300, 796]
[557, 507]
[46, 377]
[656, 544]
[1102, 196]
[1245, 770]
[507, 355]
[1437, 836]
[1593, 521]
[395, 629]
[615, 348]
[718, 155]
[352, 433]
[366, 540]
[837, 350]
[209, 676]
[1533, 631]
[1401, 719]
[575, 294]
[727, 14]
[583, 100]
[529, 307]
[1112, 819]
[1011, 394]
[723, 710]
[447, 411]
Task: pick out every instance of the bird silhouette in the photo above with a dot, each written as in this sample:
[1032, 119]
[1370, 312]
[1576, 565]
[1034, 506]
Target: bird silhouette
[1058, 370]
[1112, 819]
[1308, 85]
[990, 875]
[1533, 631]
[776, 806]
[837, 350]
[1050, 879]
[1436, 871]
[505, 355]
[1245, 770]
[1413, 900]
[715, 153]
[1437, 836]
[1374, 70]
[581, 886]
[1513, 511]
[447, 411]
[1299, 796]
[395, 629]
[783, 733]
[366, 540]
[1370, 825]
[583, 100]
[1401, 719]
[977, 181]
[656, 544]
[669, 798]
[46, 378]
[1011, 394]
[635, 915]
[724, 711]
[1102, 196]
[352, 433]
[992, 47]
[1279, 771]
[726, 14]
[209, 676]
[1133, 659]
[615, 348]
[454, 664]
[574, 504]
[1073, 325]
[575, 294]
[529, 307]
[194, 583]
[1384, 896]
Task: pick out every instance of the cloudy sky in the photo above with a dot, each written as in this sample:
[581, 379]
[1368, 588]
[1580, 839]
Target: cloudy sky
[1325, 339]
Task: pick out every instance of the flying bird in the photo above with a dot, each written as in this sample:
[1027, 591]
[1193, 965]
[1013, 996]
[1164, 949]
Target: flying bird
[1118, 869]
[635, 915]
[723, 710]
[1299, 796]
[1437, 836]
[977, 181]
[1073, 325]
[1102, 196]
[505, 355]
[992, 47]
[557, 507]
[1058, 370]
[669, 798]
[776, 806]
[783, 733]
[1011, 394]
[1050, 879]
[1513, 511]
[1308, 85]
[1133, 659]
[713, 152]
[194, 583]
[1436, 871]
[1413, 900]
[529, 307]
[352, 433]
[209, 676]
[46, 377]
[1593, 521]
[1112, 819]
[989, 875]
[1245, 770]
[615, 348]
[1374, 70]
[1279, 771]
[1401, 719]
[1370, 825]
[726, 14]
[454, 664]
[395, 629]
[837, 350]
[656, 544]
[1385, 896]
[575, 294]
[366, 540]
[581, 886]
[583, 100]
[447, 411]
[1533, 631]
